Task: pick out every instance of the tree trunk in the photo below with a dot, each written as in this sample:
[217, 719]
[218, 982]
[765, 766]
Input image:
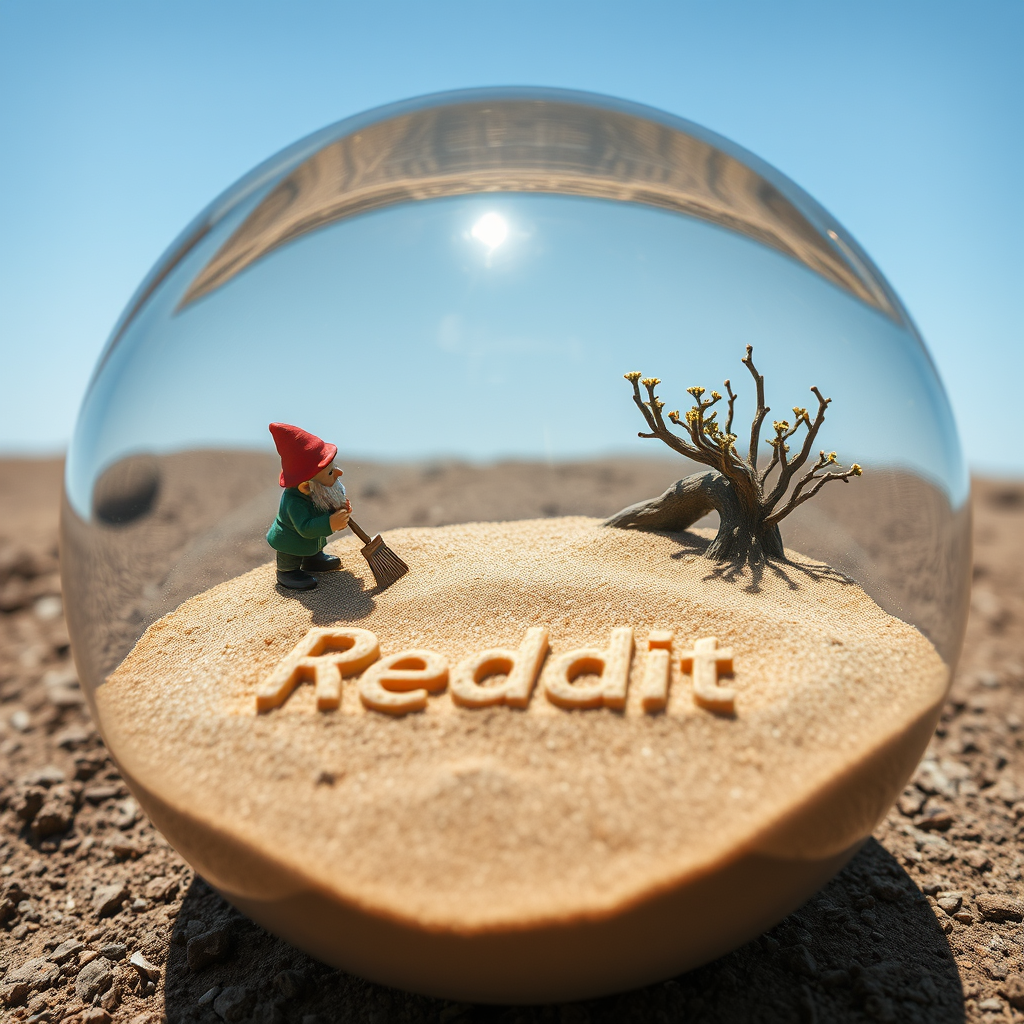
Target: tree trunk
[741, 537]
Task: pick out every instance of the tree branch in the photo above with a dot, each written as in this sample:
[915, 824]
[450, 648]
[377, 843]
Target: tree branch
[761, 411]
[823, 461]
[788, 470]
[708, 454]
[771, 465]
[695, 420]
[796, 498]
[732, 403]
[633, 377]
[783, 432]
[657, 424]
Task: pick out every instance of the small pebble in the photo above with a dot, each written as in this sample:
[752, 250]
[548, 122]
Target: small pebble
[208, 948]
[977, 859]
[39, 973]
[950, 902]
[48, 776]
[128, 813]
[939, 819]
[996, 906]
[234, 1003]
[102, 792]
[48, 608]
[161, 888]
[996, 970]
[144, 967]
[209, 995]
[269, 1013]
[73, 736]
[911, 801]
[94, 979]
[1013, 989]
[289, 983]
[108, 899]
[21, 720]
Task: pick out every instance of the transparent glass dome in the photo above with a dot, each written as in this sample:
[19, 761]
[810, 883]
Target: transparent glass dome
[451, 289]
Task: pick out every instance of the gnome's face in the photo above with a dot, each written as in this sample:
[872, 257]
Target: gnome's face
[326, 489]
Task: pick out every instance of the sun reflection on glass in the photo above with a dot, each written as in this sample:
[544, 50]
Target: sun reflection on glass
[491, 229]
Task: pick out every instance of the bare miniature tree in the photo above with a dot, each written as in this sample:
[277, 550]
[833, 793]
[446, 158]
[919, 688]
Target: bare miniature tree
[749, 504]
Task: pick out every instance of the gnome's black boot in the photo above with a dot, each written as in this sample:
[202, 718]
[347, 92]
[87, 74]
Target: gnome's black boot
[296, 579]
[321, 562]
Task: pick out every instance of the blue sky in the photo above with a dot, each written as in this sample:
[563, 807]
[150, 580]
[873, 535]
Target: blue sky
[120, 121]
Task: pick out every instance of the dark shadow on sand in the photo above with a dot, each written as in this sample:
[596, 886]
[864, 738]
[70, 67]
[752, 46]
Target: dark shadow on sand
[867, 947]
[750, 577]
[787, 572]
[338, 597]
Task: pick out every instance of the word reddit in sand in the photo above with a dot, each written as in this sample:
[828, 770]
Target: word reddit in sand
[588, 677]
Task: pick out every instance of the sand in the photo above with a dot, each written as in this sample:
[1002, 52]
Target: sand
[481, 820]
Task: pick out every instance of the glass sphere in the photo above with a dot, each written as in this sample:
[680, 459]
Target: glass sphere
[451, 290]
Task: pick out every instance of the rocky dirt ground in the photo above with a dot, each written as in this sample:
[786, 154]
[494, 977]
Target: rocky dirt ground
[100, 920]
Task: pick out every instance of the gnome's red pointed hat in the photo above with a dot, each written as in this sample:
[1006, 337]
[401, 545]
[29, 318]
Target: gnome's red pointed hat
[303, 454]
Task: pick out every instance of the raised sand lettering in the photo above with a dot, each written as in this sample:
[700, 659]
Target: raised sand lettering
[399, 683]
[324, 654]
[611, 666]
[657, 670]
[521, 669]
[705, 661]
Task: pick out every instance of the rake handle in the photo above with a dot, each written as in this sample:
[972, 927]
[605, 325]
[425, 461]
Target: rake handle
[359, 531]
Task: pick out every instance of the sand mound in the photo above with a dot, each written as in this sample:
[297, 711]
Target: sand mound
[471, 819]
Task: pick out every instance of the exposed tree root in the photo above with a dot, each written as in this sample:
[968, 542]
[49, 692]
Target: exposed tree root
[692, 498]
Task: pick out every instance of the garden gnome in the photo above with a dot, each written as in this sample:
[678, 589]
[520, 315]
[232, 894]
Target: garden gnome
[313, 507]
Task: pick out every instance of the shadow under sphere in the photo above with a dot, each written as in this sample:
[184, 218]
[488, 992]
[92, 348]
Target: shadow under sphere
[867, 947]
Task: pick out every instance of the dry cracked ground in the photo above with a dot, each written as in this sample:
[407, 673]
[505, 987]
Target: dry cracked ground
[100, 920]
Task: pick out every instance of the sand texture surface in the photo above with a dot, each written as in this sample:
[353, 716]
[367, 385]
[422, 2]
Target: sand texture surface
[504, 817]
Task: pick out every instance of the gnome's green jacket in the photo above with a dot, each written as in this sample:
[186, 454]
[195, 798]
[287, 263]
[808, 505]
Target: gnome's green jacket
[300, 527]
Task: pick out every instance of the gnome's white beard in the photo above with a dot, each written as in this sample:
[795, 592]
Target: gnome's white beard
[329, 499]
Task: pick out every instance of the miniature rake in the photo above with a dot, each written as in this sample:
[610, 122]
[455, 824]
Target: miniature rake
[385, 565]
